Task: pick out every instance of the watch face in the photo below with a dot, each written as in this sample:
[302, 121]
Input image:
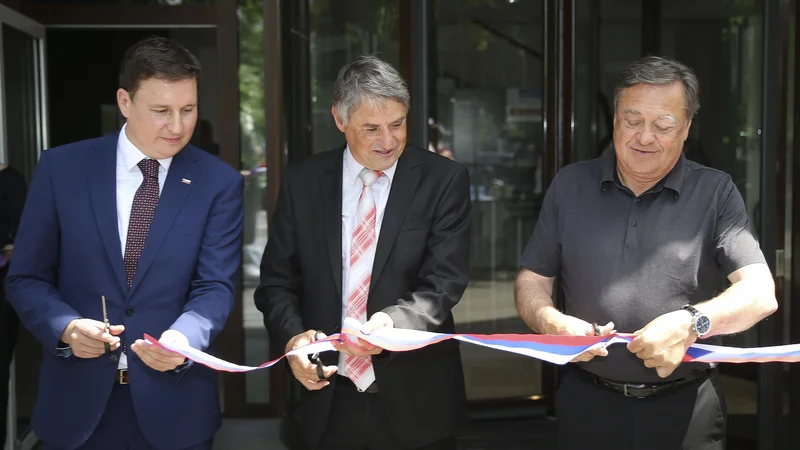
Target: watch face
[702, 325]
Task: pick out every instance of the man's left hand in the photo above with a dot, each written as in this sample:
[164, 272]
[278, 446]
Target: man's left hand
[363, 348]
[662, 343]
[158, 358]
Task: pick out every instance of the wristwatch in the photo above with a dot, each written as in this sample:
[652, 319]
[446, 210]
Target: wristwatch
[701, 325]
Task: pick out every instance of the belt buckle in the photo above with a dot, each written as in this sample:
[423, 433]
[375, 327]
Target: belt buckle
[635, 386]
[122, 376]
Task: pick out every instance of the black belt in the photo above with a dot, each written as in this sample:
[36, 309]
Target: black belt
[121, 376]
[644, 390]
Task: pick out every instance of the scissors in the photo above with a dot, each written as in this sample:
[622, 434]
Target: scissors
[315, 357]
[106, 345]
[596, 329]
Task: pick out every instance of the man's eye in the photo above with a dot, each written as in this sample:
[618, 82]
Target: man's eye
[159, 111]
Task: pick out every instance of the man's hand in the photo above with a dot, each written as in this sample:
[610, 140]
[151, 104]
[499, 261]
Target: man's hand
[566, 325]
[161, 359]
[302, 368]
[363, 348]
[662, 343]
[86, 337]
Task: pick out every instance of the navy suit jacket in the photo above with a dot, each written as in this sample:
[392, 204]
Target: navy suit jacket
[68, 254]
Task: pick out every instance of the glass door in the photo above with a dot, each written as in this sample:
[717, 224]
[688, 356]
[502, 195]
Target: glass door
[23, 136]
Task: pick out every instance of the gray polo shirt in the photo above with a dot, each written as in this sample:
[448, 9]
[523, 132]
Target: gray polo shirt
[630, 259]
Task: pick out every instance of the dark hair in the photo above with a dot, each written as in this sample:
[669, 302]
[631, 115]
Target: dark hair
[658, 71]
[156, 57]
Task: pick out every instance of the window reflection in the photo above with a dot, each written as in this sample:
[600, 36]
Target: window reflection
[487, 115]
[254, 169]
[340, 31]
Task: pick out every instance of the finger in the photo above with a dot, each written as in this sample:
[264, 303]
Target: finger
[665, 371]
[304, 370]
[116, 329]
[340, 347]
[607, 328]
[161, 358]
[147, 358]
[650, 363]
[635, 345]
[99, 335]
[583, 357]
[655, 356]
[163, 352]
[354, 347]
[88, 342]
[600, 351]
[83, 351]
[330, 370]
[366, 345]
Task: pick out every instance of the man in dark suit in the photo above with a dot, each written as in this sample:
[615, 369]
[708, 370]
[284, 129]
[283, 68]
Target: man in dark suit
[12, 198]
[153, 225]
[375, 230]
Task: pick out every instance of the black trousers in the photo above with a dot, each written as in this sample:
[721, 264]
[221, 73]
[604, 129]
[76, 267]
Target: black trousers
[9, 330]
[357, 422]
[691, 417]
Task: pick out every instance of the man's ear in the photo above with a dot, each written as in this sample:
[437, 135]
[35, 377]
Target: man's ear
[686, 131]
[124, 101]
[337, 119]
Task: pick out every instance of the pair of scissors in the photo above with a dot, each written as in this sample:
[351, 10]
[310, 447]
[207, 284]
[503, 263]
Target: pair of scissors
[596, 329]
[315, 357]
[106, 345]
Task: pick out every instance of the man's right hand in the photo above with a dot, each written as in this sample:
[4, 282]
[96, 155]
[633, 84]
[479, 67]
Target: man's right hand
[86, 337]
[303, 369]
[572, 326]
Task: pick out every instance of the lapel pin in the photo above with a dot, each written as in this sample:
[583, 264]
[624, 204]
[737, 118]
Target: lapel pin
[186, 181]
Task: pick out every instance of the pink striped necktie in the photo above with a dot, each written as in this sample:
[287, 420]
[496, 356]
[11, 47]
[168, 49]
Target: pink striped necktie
[362, 255]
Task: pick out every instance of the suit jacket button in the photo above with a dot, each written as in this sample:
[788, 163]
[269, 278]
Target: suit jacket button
[129, 312]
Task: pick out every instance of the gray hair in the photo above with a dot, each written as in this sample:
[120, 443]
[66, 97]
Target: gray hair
[658, 71]
[367, 78]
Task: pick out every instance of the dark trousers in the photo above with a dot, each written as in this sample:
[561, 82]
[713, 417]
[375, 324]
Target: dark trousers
[357, 422]
[691, 417]
[9, 329]
[118, 428]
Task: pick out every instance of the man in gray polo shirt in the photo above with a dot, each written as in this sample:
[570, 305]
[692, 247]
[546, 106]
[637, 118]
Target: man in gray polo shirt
[641, 239]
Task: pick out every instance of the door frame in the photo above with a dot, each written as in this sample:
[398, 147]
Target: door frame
[23, 23]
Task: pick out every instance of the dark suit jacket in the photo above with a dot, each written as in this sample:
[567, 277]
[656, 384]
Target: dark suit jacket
[419, 274]
[68, 253]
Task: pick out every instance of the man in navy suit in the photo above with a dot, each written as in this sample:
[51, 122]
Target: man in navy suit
[152, 224]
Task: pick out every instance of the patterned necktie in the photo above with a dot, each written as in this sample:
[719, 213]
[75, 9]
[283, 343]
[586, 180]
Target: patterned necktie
[362, 255]
[142, 211]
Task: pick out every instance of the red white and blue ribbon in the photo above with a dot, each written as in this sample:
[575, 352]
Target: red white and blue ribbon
[554, 349]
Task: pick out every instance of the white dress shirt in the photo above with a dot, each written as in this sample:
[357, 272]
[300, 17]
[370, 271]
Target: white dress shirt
[129, 178]
[351, 192]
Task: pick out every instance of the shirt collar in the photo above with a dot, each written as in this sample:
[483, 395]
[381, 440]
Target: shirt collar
[353, 168]
[673, 180]
[132, 155]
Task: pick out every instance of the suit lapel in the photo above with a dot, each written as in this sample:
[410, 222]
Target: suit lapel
[331, 195]
[404, 185]
[102, 179]
[170, 203]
